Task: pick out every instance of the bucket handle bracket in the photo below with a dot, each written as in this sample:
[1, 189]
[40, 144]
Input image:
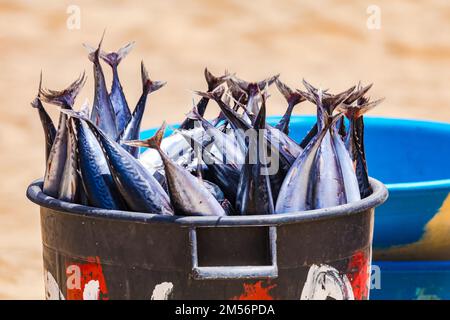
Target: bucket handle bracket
[234, 272]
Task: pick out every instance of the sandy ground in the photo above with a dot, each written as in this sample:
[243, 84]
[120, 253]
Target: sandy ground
[326, 42]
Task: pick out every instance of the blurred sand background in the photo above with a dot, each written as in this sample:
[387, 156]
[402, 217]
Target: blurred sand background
[326, 42]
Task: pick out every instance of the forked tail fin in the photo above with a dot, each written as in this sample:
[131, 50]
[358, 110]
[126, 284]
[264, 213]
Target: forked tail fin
[153, 142]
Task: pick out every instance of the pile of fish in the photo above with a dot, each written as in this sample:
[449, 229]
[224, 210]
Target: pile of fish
[235, 164]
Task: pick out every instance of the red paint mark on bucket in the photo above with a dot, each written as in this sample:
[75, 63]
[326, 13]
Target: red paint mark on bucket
[80, 274]
[358, 273]
[256, 291]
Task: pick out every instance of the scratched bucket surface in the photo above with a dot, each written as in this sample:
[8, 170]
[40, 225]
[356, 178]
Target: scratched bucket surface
[92, 253]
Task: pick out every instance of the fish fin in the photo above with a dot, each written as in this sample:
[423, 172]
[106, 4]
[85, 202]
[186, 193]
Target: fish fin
[248, 86]
[36, 103]
[147, 84]
[358, 93]
[94, 53]
[194, 114]
[114, 58]
[91, 51]
[260, 120]
[76, 114]
[354, 112]
[323, 99]
[332, 101]
[369, 105]
[291, 96]
[214, 95]
[267, 82]
[332, 120]
[153, 143]
[64, 98]
[84, 109]
[239, 83]
[236, 92]
[213, 81]
[309, 87]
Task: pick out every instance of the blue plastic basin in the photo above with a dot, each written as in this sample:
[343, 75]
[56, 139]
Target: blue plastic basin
[411, 158]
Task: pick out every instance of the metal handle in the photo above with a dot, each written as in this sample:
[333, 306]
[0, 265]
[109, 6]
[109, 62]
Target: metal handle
[234, 272]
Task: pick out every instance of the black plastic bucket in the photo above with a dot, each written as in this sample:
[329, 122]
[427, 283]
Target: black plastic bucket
[91, 253]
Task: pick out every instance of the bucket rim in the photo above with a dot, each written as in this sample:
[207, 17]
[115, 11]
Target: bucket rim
[378, 197]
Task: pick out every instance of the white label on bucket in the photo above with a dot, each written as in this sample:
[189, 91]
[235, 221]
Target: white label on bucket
[325, 282]
[91, 290]
[162, 291]
[52, 291]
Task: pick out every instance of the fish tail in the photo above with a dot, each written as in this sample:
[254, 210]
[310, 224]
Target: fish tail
[36, 103]
[267, 82]
[94, 53]
[213, 95]
[213, 81]
[357, 94]
[76, 114]
[332, 120]
[335, 100]
[260, 121]
[236, 92]
[291, 96]
[84, 109]
[323, 99]
[194, 114]
[252, 87]
[353, 112]
[114, 58]
[153, 143]
[64, 98]
[148, 85]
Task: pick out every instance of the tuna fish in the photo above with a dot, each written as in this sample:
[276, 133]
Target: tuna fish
[97, 181]
[58, 154]
[133, 127]
[46, 121]
[189, 197]
[103, 114]
[70, 187]
[139, 189]
[354, 140]
[254, 193]
[297, 191]
[116, 95]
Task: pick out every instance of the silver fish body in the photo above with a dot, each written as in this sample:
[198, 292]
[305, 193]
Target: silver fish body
[297, 191]
[116, 95]
[103, 114]
[70, 185]
[97, 181]
[139, 189]
[328, 186]
[56, 160]
[254, 195]
[348, 172]
[188, 196]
